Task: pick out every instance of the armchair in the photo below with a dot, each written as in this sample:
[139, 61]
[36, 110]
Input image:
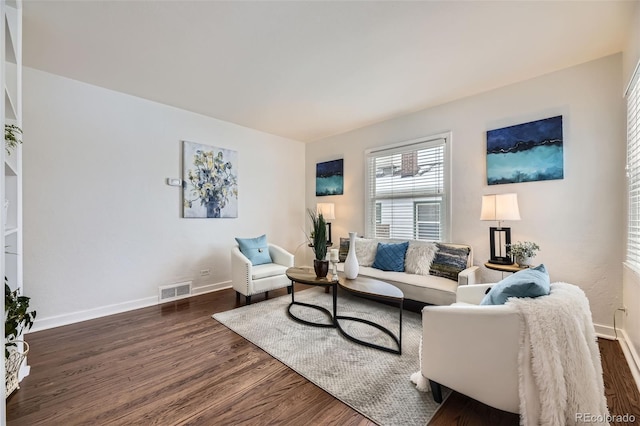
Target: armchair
[491, 352]
[248, 279]
[473, 349]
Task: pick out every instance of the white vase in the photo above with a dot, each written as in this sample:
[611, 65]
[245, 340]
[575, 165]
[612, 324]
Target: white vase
[523, 260]
[351, 267]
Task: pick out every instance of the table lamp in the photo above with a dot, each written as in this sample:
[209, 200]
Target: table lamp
[500, 207]
[328, 212]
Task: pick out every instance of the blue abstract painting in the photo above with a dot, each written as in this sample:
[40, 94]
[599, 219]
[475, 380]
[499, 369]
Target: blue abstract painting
[329, 179]
[526, 152]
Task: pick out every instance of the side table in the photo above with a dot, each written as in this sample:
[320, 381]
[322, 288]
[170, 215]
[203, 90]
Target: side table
[514, 267]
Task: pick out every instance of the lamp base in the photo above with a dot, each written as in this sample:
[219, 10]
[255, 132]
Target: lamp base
[500, 239]
[499, 261]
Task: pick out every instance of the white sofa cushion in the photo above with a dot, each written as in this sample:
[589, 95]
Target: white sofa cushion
[366, 249]
[267, 270]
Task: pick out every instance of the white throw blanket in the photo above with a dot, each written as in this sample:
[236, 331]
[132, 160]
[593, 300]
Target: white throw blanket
[560, 377]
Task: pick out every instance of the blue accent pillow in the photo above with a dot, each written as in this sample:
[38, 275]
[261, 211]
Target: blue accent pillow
[390, 257]
[532, 282]
[255, 249]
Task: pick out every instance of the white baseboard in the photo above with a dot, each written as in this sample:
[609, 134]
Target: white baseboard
[210, 287]
[630, 353]
[103, 311]
[605, 331]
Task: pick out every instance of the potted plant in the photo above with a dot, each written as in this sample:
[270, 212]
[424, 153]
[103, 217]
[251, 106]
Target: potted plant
[523, 252]
[17, 320]
[11, 140]
[318, 241]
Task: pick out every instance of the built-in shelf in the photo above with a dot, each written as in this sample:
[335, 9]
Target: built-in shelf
[11, 187]
[9, 112]
[10, 165]
[10, 30]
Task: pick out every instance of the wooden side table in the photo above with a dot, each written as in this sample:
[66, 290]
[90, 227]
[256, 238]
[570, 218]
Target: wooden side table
[514, 267]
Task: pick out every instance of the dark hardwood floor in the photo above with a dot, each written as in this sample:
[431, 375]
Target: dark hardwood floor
[173, 364]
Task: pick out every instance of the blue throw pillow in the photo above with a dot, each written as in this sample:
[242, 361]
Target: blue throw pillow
[390, 257]
[255, 249]
[532, 282]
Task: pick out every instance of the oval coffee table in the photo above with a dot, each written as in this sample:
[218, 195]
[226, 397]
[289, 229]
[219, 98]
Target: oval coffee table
[366, 287]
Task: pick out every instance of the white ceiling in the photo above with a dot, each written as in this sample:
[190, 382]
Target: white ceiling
[306, 70]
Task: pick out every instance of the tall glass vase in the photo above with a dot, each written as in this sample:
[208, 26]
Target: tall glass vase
[351, 267]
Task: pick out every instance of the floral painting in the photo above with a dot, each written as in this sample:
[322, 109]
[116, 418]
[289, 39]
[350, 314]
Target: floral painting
[526, 152]
[329, 178]
[210, 181]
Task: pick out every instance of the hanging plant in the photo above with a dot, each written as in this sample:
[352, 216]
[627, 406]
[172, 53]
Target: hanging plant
[11, 138]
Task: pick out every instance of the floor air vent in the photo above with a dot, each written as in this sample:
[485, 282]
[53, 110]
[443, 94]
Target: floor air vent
[175, 291]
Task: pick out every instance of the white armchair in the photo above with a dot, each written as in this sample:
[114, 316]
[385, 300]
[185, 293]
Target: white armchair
[248, 279]
[490, 352]
[473, 349]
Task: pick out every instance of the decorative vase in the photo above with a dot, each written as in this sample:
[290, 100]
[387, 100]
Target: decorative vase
[213, 209]
[321, 267]
[351, 267]
[523, 260]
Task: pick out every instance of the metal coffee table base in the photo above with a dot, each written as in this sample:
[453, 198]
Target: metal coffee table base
[364, 287]
[325, 311]
[397, 339]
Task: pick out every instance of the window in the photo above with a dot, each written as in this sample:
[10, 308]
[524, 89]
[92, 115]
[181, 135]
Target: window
[633, 171]
[427, 221]
[407, 190]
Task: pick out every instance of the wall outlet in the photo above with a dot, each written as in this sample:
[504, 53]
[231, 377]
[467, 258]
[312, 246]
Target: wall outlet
[205, 272]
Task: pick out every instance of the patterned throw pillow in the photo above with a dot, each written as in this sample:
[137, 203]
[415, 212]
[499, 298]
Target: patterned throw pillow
[390, 257]
[419, 257]
[449, 261]
[366, 251]
[343, 251]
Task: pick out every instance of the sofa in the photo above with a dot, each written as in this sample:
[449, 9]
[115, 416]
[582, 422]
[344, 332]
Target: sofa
[431, 271]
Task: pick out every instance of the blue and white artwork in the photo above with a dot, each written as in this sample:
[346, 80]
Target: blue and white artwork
[526, 152]
[329, 179]
[210, 188]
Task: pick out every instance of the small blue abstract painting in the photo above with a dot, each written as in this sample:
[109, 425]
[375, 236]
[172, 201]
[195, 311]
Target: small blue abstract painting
[329, 179]
[526, 152]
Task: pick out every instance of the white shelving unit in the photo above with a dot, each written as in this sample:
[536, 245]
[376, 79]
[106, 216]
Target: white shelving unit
[11, 187]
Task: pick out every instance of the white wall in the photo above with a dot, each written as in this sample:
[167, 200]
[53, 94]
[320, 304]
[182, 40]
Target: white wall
[102, 229]
[631, 54]
[576, 221]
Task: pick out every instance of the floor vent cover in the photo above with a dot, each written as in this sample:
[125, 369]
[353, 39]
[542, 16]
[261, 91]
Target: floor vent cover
[175, 291]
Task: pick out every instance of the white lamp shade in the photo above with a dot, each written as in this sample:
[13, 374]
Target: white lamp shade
[500, 207]
[327, 210]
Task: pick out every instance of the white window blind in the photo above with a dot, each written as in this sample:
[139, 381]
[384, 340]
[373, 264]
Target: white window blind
[633, 171]
[406, 190]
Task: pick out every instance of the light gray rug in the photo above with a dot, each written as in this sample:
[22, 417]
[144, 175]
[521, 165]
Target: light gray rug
[373, 382]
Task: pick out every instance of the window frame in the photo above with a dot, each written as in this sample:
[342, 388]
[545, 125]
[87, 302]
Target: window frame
[440, 139]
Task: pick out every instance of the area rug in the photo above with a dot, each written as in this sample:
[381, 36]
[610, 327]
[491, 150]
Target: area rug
[372, 382]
